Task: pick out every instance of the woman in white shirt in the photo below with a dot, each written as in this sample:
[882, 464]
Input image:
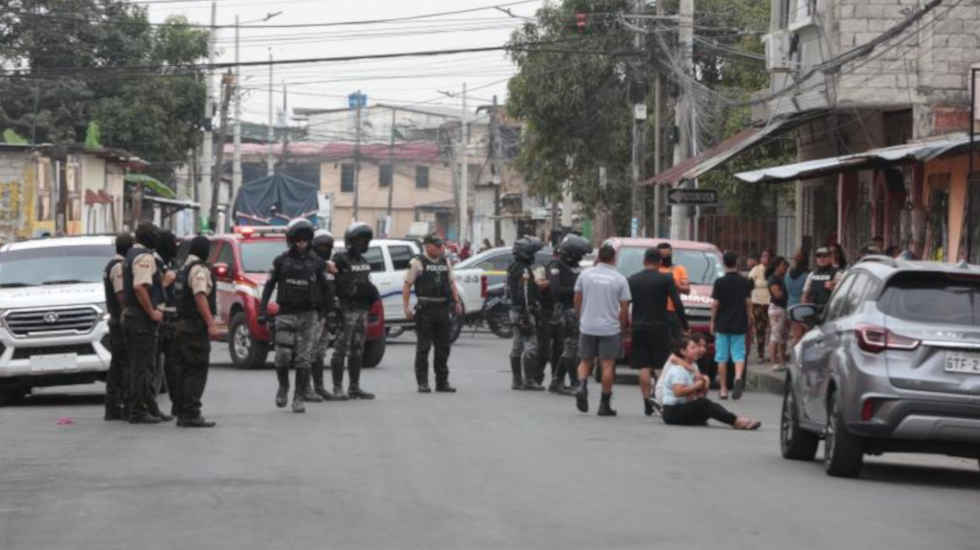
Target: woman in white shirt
[684, 391]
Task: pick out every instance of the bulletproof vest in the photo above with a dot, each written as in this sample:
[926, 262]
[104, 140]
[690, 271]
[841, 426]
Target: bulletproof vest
[169, 298]
[184, 295]
[520, 291]
[819, 293]
[353, 276]
[561, 280]
[433, 282]
[156, 288]
[297, 282]
[111, 303]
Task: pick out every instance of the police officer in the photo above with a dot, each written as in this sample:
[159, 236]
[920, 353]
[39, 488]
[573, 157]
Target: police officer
[299, 276]
[143, 284]
[820, 283]
[435, 289]
[115, 301]
[545, 327]
[523, 295]
[165, 369]
[355, 294]
[194, 293]
[323, 247]
[562, 274]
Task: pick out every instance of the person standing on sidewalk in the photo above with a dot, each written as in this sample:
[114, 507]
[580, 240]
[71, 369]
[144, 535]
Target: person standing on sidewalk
[821, 282]
[794, 281]
[683, 283]
[760, 301]
[602, 297]
[778, 321]
[731, 316]
[435, 288]
[653, 336]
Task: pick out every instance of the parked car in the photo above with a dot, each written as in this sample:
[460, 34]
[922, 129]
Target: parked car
[494, 263]
[53, 318]
[241, 262]
[892, 363]
[704, 265]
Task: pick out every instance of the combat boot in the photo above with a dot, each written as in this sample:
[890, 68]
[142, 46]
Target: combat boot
[515, 370]
[531, 376]
[302, 386]
[355, 391]
[605, 408]
[310, 395]
[282, 394]
[557, 379]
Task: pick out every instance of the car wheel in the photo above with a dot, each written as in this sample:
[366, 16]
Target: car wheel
[499, 324]
[246, 352]
[795, 442]
[455, 325]
[374, 351]
[843, 452]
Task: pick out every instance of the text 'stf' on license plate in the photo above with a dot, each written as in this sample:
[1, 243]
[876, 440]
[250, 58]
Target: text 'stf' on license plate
[968, 363]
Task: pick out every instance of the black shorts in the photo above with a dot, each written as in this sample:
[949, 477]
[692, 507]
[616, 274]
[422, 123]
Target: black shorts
[651, 347]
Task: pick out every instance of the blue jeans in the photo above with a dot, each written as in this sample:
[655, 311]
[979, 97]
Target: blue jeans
[729, 346]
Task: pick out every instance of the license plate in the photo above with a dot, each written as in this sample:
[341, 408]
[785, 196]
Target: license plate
[54, 362]
[967, 363]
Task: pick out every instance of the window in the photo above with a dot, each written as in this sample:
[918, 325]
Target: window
[257, 256]
[838, 299]
[421, 177]
[227, 256]
[948, 299]
[48, 265]
[400, 257]
[375, 258]
[384, 175]
[346, 178]
[863, 285]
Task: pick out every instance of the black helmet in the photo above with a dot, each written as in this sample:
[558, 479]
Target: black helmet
[323, 243]
[526, 247]
[573, 248]
[167, 245]
[357, 237]
[299, 229]
[147, 235]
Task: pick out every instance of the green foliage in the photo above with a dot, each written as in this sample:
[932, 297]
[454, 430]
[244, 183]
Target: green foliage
[11, 137]
[93, 136]
[70, 48]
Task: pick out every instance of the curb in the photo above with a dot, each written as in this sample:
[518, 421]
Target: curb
[765, 380]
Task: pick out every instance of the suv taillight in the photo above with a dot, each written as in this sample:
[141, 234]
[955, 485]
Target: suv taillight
[484, 286]
[875, 339]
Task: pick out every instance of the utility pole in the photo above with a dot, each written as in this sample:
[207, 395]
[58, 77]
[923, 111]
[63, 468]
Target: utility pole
[464, 173]
[357, 160]
[207, 146]
[285, 131]
[498, 179]
[227, 84]
[391, 167]
[658, 134]
[679, 218]
[236, 165]
[269, 162]
[639, 117]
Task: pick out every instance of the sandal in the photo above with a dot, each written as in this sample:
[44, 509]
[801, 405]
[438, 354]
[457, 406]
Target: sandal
[746, 424]
[723, 396]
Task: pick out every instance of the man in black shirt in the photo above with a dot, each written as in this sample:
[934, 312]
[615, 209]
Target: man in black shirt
[731, 311]
[651, 330]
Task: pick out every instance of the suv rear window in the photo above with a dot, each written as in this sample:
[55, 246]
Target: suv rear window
[257, 256]
[54, 265]
[932, 298]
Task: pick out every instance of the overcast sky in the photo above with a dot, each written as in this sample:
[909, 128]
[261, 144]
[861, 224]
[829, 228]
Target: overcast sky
[326, 85]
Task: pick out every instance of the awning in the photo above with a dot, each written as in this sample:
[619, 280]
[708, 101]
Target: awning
[911, 152]
[710, 159]
[151, 183]
[179, 204]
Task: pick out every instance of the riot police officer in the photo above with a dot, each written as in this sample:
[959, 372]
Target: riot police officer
[194, 293]
[562, 274]
[299, 276]
[545, 327]
[143, 284]
[115, 301]
[435, 289]
[355, 294]
[523, 294]
[323, 247]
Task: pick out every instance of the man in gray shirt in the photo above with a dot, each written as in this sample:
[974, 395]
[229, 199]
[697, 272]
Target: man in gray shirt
[602, 297]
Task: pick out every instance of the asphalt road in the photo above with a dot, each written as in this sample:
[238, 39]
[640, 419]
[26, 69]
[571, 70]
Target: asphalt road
[484, 468]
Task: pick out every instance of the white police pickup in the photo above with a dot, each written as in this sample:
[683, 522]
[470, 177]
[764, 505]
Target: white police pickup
[53, 320]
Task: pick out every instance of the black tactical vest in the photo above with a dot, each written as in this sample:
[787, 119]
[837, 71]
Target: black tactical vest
[156, 288]
[353, 278]
[169, 298]
[819, 294]
[433, 283]
[296, 286]
[561, 280]
[111, 303]
[184, 295]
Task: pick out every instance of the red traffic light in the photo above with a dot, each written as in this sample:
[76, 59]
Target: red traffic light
[580, 20]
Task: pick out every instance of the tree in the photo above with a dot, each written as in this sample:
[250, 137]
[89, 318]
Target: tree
[102, 62]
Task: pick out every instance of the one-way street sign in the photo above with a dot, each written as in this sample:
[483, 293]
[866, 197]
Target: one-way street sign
[700, 197]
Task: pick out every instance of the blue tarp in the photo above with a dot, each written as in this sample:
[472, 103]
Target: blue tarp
[274, 200]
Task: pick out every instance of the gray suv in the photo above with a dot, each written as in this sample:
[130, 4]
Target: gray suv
[892, 364]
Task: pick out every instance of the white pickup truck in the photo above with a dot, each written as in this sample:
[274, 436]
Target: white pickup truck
[389, 259]
[53, 320]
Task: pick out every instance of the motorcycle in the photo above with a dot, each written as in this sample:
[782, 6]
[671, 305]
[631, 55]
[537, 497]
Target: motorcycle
[494, 313]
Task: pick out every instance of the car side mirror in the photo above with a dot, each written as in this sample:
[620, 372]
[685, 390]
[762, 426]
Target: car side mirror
[222, 270]
[804, 313]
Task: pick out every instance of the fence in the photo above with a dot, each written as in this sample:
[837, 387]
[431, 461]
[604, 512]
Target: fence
[748, 236]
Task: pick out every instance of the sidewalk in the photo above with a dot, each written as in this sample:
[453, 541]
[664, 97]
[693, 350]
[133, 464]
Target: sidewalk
[760, 377]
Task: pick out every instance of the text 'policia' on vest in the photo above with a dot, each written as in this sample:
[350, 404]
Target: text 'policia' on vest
[432, 284]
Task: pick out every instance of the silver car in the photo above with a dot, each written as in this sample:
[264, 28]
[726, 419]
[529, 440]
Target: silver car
[892, 364]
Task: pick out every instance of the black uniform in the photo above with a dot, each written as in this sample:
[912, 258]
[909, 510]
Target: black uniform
[141, 338]
[355, 293]
[561, 281]
[115, 383]
[523, 294]
[166, 368]
[549, 339]
[819, 293]
[192, 356]
[433, 288]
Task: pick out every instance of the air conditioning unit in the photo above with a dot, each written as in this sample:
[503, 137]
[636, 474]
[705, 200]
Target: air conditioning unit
[777, 52]
[803, 14]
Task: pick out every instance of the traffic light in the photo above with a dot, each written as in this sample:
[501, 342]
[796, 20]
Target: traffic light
[580, 21]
